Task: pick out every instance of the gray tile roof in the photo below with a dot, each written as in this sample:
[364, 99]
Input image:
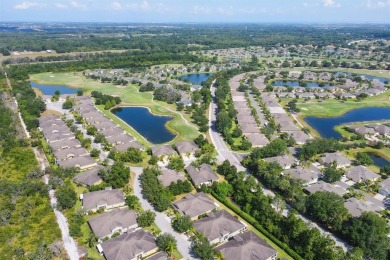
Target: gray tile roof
[218, 224]
[323, 186]
[202, 174]
[168, 176]
[107, 223]
[328, 158]
[81, 162]
[246, 246]
[165, 150]
[361, 173]
[65, 154]
[93, 200]
[186, 147]
[129, 245]
[283, 160]
[194, 205]
[357, 207]
[301, 173]
[159, 256]
[89, 177]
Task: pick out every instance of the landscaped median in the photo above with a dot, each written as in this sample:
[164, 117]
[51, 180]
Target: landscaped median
[283, 249]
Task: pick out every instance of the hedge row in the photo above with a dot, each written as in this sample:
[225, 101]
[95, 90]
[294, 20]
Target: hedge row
[256, 224]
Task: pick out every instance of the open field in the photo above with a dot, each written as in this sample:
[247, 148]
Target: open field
[333, 107]
[130, 97]
[32, 54]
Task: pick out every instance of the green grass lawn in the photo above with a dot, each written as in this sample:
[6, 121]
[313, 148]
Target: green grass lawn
[130, 97]
[334, 107]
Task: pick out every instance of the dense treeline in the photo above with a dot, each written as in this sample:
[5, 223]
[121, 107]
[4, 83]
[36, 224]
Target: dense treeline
[106, 100]
[104, 60]
[30, 106]
[91, 37]
[27, 224]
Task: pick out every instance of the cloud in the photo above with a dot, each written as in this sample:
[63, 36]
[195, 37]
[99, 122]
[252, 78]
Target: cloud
[27, 5]
[116, 6]
[61, 6]
[77, 5]
[330, 3]
[377, 4]
[144, 6]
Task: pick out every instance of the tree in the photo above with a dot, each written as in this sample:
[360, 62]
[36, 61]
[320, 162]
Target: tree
[132, 202]
[68, 104]
[167, 243]
[182, 224]
[364, 159]
[66, 197]
[146, 218]
[176, 163]
[369, 232]
[80, 92]
[202, 247]
[91, 130]
[332, 174]
[117, 177]
[224, 122]
[223, 189]
[95, 153]
[328, 208]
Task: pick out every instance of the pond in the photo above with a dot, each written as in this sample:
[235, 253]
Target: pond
[150, 126]
[291, 83]
[364, 76]
[325, 125]
[51, 89]
[197, 78]
[379, 160]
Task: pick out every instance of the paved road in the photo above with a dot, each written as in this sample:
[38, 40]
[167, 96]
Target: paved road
[225, 154]
[162, 221]
[223, 151]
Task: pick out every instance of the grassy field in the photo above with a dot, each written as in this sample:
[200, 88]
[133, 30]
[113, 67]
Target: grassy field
[130, 97]
[333, 107]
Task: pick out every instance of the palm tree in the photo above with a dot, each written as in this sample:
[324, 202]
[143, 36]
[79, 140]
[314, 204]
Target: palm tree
[170, 247]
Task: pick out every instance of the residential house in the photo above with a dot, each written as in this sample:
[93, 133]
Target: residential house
[385, 187]
[247, 246]
[159, 256]
[361, 173]
[103, 199]
[130, 246]
[328, 159]
[285, 161]
[163, 152]
[194, 205]
[219, 226]
[257, 139]
[115, 221]
[167, 177]
[89, 177]
[300, 137]
[324, 186]
[300, 173]
[357, 207]
[187, 149]
[66, 154]
[82, 162]
[203, 175]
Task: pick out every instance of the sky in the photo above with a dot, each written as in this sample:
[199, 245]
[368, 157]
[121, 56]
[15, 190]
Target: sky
[197, 11]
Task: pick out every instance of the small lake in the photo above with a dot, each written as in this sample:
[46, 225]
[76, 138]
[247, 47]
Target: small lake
[150, 126]
[364, 76]
[197, 78]
[291, 83]
[325, 125]
[51, 89]
[379, 160]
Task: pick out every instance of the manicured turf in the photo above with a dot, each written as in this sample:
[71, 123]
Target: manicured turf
[129, 95]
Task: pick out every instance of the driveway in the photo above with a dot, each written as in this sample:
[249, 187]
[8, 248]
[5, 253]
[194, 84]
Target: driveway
[162, 220]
